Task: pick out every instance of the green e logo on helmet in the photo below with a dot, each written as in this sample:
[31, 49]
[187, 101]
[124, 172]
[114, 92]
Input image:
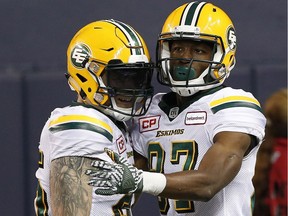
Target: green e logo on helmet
[79, 53]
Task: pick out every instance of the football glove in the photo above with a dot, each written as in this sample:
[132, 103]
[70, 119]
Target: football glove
[115, 178]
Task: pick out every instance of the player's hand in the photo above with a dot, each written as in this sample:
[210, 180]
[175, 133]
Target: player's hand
[115, 178]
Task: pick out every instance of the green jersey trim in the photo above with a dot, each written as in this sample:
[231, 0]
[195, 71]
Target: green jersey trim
[235, 104]
[83, 126]
[41, 204]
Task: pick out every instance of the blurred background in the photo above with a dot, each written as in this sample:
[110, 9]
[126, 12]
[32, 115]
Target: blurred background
[34, 38]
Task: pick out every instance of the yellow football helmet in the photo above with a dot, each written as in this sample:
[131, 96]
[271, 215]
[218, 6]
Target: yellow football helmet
[198, 21]
[108, 59]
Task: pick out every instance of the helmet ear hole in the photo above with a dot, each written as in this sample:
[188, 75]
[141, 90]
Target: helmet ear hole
[232, 61]
[82, 94]
[81, 78]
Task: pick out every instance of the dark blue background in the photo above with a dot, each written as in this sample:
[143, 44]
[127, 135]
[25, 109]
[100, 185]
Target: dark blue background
[34, 37]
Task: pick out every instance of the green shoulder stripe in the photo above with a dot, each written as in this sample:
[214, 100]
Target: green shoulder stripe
[215, 109]
[81, 125]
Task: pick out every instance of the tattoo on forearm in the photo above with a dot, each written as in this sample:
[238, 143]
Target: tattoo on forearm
[70, 194]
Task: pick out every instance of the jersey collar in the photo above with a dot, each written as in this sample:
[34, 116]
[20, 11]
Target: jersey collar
[169, 101]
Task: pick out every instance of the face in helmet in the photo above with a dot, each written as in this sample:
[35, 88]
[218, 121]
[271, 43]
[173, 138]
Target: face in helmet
[196, 48]
[109, 67]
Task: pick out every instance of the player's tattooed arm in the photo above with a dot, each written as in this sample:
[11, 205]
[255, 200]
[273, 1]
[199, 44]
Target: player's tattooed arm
[70, 193]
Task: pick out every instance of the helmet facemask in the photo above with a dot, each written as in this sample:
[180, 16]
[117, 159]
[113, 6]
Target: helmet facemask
[183, 79]
[126, 88]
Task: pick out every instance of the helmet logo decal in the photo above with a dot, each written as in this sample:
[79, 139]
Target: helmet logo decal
[231, 38]
[78, 54]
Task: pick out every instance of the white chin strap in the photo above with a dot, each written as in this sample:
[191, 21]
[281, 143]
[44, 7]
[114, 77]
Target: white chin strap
[116, 115]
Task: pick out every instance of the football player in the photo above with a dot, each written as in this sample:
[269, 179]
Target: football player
[201, 139]
[110, 70]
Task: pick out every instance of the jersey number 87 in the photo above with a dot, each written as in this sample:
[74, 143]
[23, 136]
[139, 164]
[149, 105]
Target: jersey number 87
[157, 156]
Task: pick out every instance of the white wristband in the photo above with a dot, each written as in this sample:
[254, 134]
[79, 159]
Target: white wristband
[153, 183]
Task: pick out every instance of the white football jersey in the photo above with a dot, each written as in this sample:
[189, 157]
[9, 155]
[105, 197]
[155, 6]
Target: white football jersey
[175, 139]
[81, 131]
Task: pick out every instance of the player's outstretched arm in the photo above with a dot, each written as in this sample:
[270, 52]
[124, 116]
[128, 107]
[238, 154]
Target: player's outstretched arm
[219, 166]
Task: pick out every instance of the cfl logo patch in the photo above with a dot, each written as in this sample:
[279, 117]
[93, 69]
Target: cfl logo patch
[149, 123]
[121, 145]
[231, 38]
[79, 54]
